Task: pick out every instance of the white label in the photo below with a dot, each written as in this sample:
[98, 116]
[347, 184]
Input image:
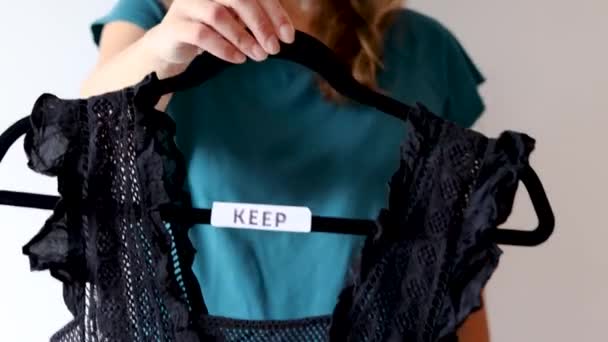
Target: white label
[261, 216]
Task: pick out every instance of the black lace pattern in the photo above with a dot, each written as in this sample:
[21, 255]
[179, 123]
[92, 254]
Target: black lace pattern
[127, 274]
[422, 274]
[105, 240]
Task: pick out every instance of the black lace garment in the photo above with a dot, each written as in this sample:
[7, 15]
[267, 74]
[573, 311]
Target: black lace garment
[127, 274]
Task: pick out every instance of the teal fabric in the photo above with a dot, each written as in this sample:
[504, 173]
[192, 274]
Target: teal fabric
[262, 133]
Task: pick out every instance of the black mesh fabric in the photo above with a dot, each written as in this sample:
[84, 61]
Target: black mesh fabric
[422, 273]
[105, 240]
[127, 274]
[312, 329]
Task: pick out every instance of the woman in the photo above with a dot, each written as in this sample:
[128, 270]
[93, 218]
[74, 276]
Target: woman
[272, 133]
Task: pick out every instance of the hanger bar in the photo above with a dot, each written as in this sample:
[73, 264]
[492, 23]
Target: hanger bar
[319, 224]
[28, 200]
[174, 214]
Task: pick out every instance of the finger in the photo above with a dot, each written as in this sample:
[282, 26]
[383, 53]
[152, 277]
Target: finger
[224, 22]
[281, 21]
[257, 21]
[207, 39]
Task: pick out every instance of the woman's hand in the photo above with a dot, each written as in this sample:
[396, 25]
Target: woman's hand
[219, 27]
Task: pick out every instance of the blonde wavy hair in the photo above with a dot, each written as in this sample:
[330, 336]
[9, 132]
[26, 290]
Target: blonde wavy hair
[354, 30]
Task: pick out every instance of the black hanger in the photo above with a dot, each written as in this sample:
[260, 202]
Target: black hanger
[324, 62]
[306, 51]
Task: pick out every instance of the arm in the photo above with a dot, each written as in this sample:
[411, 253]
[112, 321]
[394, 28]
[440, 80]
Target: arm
[475, 327]
[125, 57]
[127, 52]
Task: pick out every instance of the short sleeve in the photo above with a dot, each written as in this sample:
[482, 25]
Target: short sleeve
[143, 13]
[54, 130]
[464, 104]
[435, 68]
[52, 147]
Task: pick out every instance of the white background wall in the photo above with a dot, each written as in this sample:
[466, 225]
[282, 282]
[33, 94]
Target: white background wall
[545, 62]
[45, 46]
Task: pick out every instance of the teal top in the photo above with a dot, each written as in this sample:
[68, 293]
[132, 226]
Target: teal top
[263, 133]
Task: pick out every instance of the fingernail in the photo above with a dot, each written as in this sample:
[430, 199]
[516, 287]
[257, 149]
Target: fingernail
[287, 33]
[239, 57]
[272, 44]
[258, 52]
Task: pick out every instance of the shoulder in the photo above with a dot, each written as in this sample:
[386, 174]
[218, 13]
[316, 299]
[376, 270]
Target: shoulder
[427, 53]
[412, 32]
[142, 13]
